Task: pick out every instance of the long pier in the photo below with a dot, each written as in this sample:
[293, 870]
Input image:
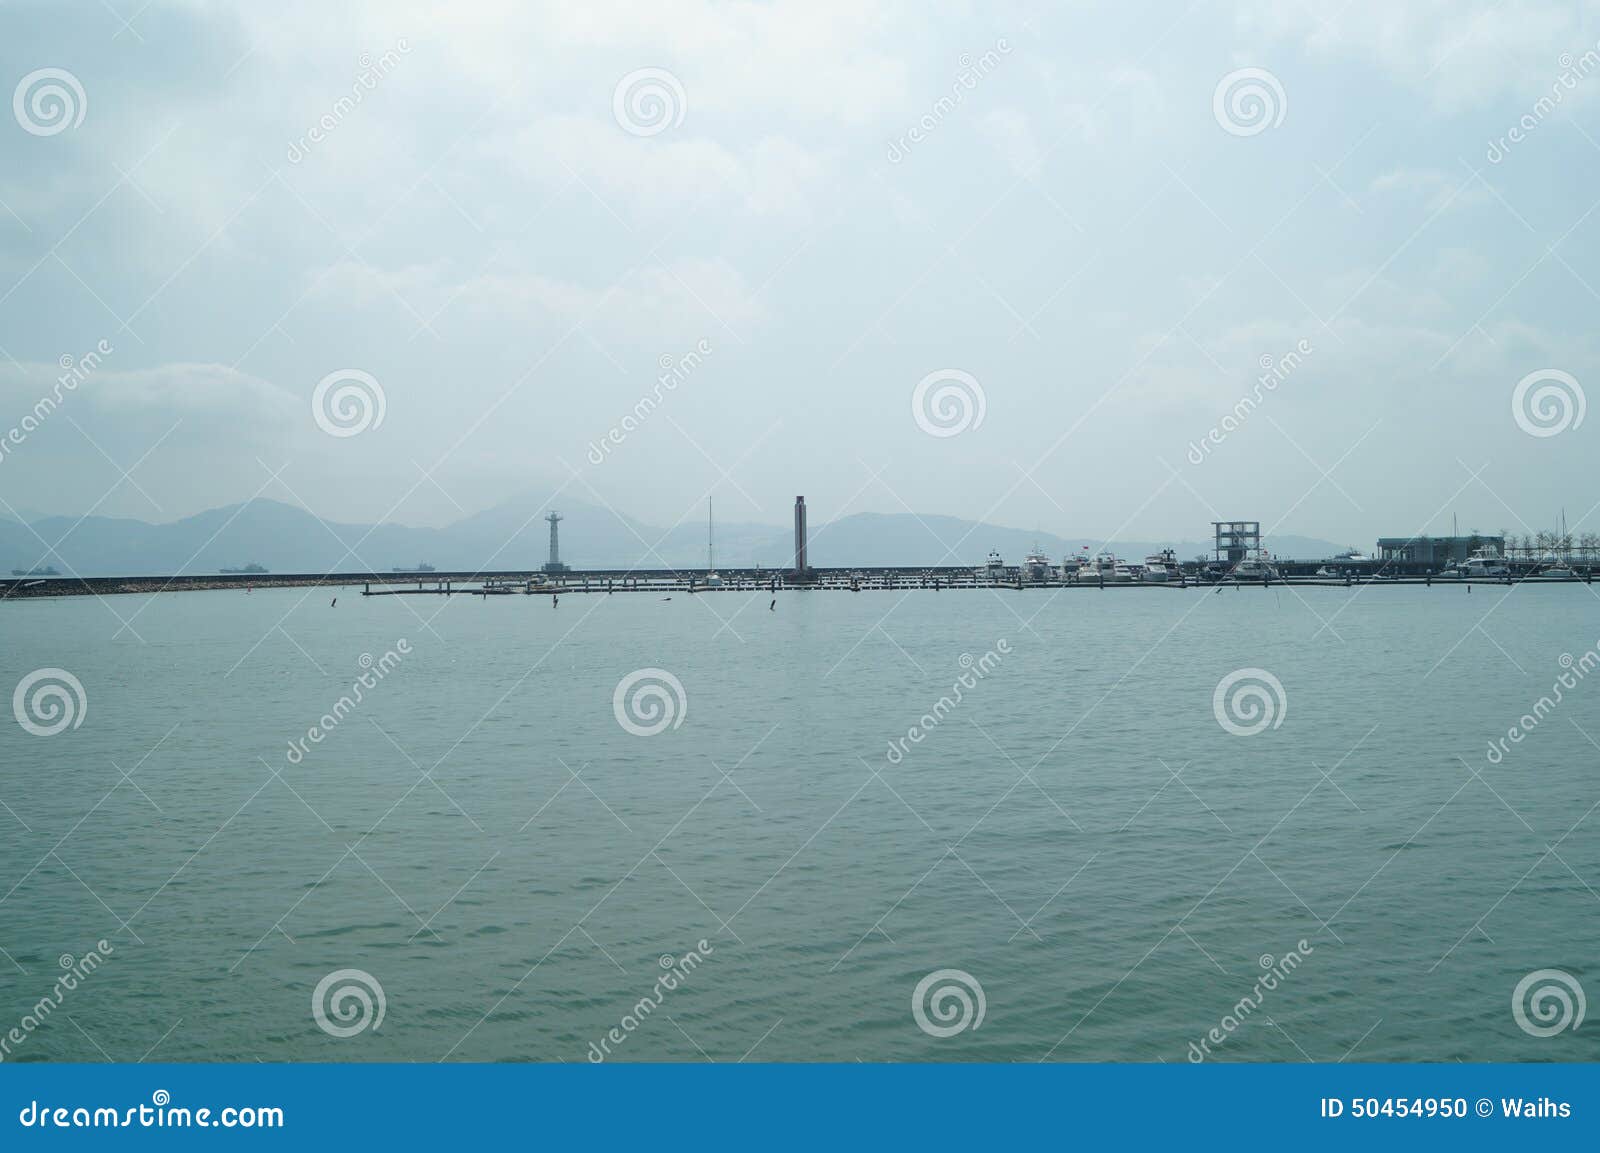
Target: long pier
[692, 581]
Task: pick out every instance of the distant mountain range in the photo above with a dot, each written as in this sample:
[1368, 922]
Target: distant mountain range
[513, 535]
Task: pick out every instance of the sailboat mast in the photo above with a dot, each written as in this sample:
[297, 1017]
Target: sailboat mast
[711, 545]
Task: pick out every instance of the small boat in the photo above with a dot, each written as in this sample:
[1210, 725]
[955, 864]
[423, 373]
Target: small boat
[1254, 568]
[1343, 564]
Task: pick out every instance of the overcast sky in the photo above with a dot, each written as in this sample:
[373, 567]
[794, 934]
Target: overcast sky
[1070, 212]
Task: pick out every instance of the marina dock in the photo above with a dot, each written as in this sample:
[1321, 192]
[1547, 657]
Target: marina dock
[1237, 559]
[693, 582]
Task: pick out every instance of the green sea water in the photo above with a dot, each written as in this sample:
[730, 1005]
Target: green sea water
[1079, 829]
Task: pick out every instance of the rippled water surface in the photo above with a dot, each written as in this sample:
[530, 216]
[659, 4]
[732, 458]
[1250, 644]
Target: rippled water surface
[1078, 833]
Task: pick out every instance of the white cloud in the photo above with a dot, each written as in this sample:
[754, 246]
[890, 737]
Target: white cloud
[656, 301]
[1462, 54]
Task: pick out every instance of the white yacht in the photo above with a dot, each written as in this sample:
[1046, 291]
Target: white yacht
[1254, 568]
[1483, 564]
[1555, 567]
[994, 571]
[1036, 566]
[1161, 567]
[1104, 568]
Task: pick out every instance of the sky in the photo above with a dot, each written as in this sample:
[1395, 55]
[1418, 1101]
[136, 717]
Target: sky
[1017, 263]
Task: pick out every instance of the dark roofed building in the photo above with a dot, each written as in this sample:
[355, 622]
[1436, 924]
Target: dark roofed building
[1436, 551]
